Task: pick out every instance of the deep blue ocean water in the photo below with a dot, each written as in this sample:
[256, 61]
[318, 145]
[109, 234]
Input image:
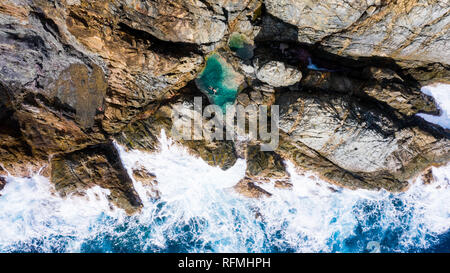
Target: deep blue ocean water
[132, 235]
[198, 212]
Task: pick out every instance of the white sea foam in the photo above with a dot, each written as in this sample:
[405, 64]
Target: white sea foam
[321, 214]
[33, 216]
[199, 212]
[441, 94]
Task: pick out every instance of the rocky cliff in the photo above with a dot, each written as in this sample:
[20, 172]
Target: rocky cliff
[76, 75]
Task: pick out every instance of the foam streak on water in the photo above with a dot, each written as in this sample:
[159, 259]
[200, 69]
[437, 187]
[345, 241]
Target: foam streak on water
[198, 212]
[441, 93]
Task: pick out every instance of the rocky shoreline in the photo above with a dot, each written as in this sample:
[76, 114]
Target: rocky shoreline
[77, 75]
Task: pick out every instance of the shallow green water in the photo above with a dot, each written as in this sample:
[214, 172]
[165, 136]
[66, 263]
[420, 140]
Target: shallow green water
[238, 43]
[219, 82]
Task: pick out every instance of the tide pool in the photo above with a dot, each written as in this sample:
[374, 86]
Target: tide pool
[219, 81]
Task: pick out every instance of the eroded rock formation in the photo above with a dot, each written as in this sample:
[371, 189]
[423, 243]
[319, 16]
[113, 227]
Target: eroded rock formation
[405, 30]
[77, 74]
[357, 142]
[97, 165]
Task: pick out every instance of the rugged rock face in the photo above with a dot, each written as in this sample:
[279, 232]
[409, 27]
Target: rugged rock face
[264, 165]
[148, 180]
[381, 84]
[2, 183]
[16, 155]
[76, 74]
[144, 134]
[401, 29]
[98, 165]
[366, 144]
[250, 189]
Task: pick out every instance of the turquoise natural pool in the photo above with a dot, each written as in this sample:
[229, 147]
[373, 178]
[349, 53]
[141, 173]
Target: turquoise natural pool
[219, 81]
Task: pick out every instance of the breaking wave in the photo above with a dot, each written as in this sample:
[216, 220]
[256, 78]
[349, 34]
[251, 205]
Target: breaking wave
[441, 93]
[199, 212]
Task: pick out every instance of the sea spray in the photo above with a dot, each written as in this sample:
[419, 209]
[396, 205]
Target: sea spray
[199, 212]
[441, 93]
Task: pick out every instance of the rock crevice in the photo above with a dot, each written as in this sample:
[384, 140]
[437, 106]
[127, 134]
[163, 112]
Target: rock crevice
[75, 75]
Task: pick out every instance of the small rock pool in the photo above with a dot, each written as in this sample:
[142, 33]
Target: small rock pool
[219, 81]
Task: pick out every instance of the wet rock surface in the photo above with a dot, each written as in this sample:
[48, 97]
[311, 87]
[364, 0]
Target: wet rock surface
[347, 75]
[362, 141]
[95, 166]
[428, 177]
[250, 189]
[147, 179]
[264, 165]
[143, 135]
[2, 183]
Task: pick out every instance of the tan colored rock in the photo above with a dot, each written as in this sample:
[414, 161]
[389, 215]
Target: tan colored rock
[283, 184]
[148, 180]
[264, 165]
[144, 176]
[215, 153]
[355, 144]
[256, 95]
[81, 89]
[181, 21]
[59, 61]
[381, 84]
[143, 135]
[75, 73]
[142, 68]
[98, 165]
[249, 189]
[278, 74]
[49, 132]
[415, 30]
[428, 177]
[16, 158]
[15, 154]
[50, 90]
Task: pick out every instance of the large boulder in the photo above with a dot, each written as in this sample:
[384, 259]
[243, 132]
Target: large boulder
[264, 165]
[355, 143]
[278, 74]
[98, 165]
[271, 68]
[248, 188]
[148, 180]
[404, 30]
